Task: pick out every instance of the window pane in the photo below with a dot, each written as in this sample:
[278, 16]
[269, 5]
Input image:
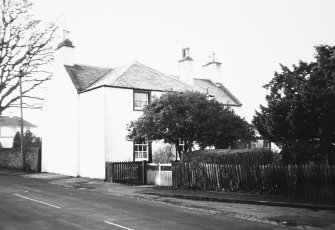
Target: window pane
[142, 96]
[140, 100]
[141, 150]
[137, 104]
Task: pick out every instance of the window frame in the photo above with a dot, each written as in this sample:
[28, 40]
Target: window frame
[149, 151]
[266, 144]
[142, 92]
[181, 144]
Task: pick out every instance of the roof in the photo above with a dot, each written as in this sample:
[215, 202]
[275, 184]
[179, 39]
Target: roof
[7, 121]
[83, 76]
[138, 76]
[217, 90]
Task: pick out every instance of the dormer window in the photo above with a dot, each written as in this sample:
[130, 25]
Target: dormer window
[141, 99]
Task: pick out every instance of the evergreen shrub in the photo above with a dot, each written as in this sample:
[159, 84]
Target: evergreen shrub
[233, 156]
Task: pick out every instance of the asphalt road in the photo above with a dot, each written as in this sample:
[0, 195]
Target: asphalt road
[35, 204]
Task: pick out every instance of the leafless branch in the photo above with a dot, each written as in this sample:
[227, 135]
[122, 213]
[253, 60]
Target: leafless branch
[25, 47]
[32, 97]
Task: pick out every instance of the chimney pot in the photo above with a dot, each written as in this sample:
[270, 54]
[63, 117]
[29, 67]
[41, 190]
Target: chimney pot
[65, 49]
[187, 52]
[213, 57]
[186, 55]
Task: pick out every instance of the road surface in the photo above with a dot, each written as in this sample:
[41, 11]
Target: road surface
[27, 203]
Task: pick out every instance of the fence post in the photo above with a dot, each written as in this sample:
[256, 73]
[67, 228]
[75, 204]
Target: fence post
[159, 174]
[112, 175]
[144, 172]
[106, 171]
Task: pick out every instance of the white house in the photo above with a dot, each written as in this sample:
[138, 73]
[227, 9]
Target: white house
[9, 125]
[87, 109]
[262, 143]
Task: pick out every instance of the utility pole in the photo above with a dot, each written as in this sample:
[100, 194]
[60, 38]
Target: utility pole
[22, 143]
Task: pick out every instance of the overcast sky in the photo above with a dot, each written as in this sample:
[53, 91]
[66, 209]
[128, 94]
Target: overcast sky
[249, 37]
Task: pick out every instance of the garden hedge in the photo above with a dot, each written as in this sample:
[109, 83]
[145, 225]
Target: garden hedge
[233, 156]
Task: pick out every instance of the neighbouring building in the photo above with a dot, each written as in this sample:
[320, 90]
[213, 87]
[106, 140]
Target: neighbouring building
[87, 109]
[266, 144]
[9, 125]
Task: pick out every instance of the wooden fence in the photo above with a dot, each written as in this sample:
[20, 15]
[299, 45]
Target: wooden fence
[309, 181]
[127, 172]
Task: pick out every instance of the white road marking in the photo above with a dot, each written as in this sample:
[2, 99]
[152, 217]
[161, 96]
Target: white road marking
[120, 226]
[36, 201]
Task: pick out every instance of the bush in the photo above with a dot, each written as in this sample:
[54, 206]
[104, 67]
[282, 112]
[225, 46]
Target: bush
[304, 153]
[29, 139]
[17, 140]
[228, 156]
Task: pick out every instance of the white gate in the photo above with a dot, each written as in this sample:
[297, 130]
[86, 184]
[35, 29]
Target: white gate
[159, 174]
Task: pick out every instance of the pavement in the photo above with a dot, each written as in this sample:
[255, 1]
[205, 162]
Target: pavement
[275, 210]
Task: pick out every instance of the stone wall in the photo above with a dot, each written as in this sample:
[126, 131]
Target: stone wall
[12, 158]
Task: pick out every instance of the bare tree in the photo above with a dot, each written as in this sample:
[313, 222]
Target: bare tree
[164, 154]
[25, 51]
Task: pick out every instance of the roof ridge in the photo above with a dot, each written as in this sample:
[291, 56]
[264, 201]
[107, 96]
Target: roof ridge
[127, 67]
[94, 66]
[98, 79]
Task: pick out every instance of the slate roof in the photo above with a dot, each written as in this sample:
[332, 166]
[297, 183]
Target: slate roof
[6, 121]
[217, 90]
[138, 76]
[83, 76]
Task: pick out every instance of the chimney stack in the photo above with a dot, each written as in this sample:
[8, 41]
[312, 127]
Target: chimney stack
[66, 35]
[65, 49]
[186, 67]
[212, 70]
